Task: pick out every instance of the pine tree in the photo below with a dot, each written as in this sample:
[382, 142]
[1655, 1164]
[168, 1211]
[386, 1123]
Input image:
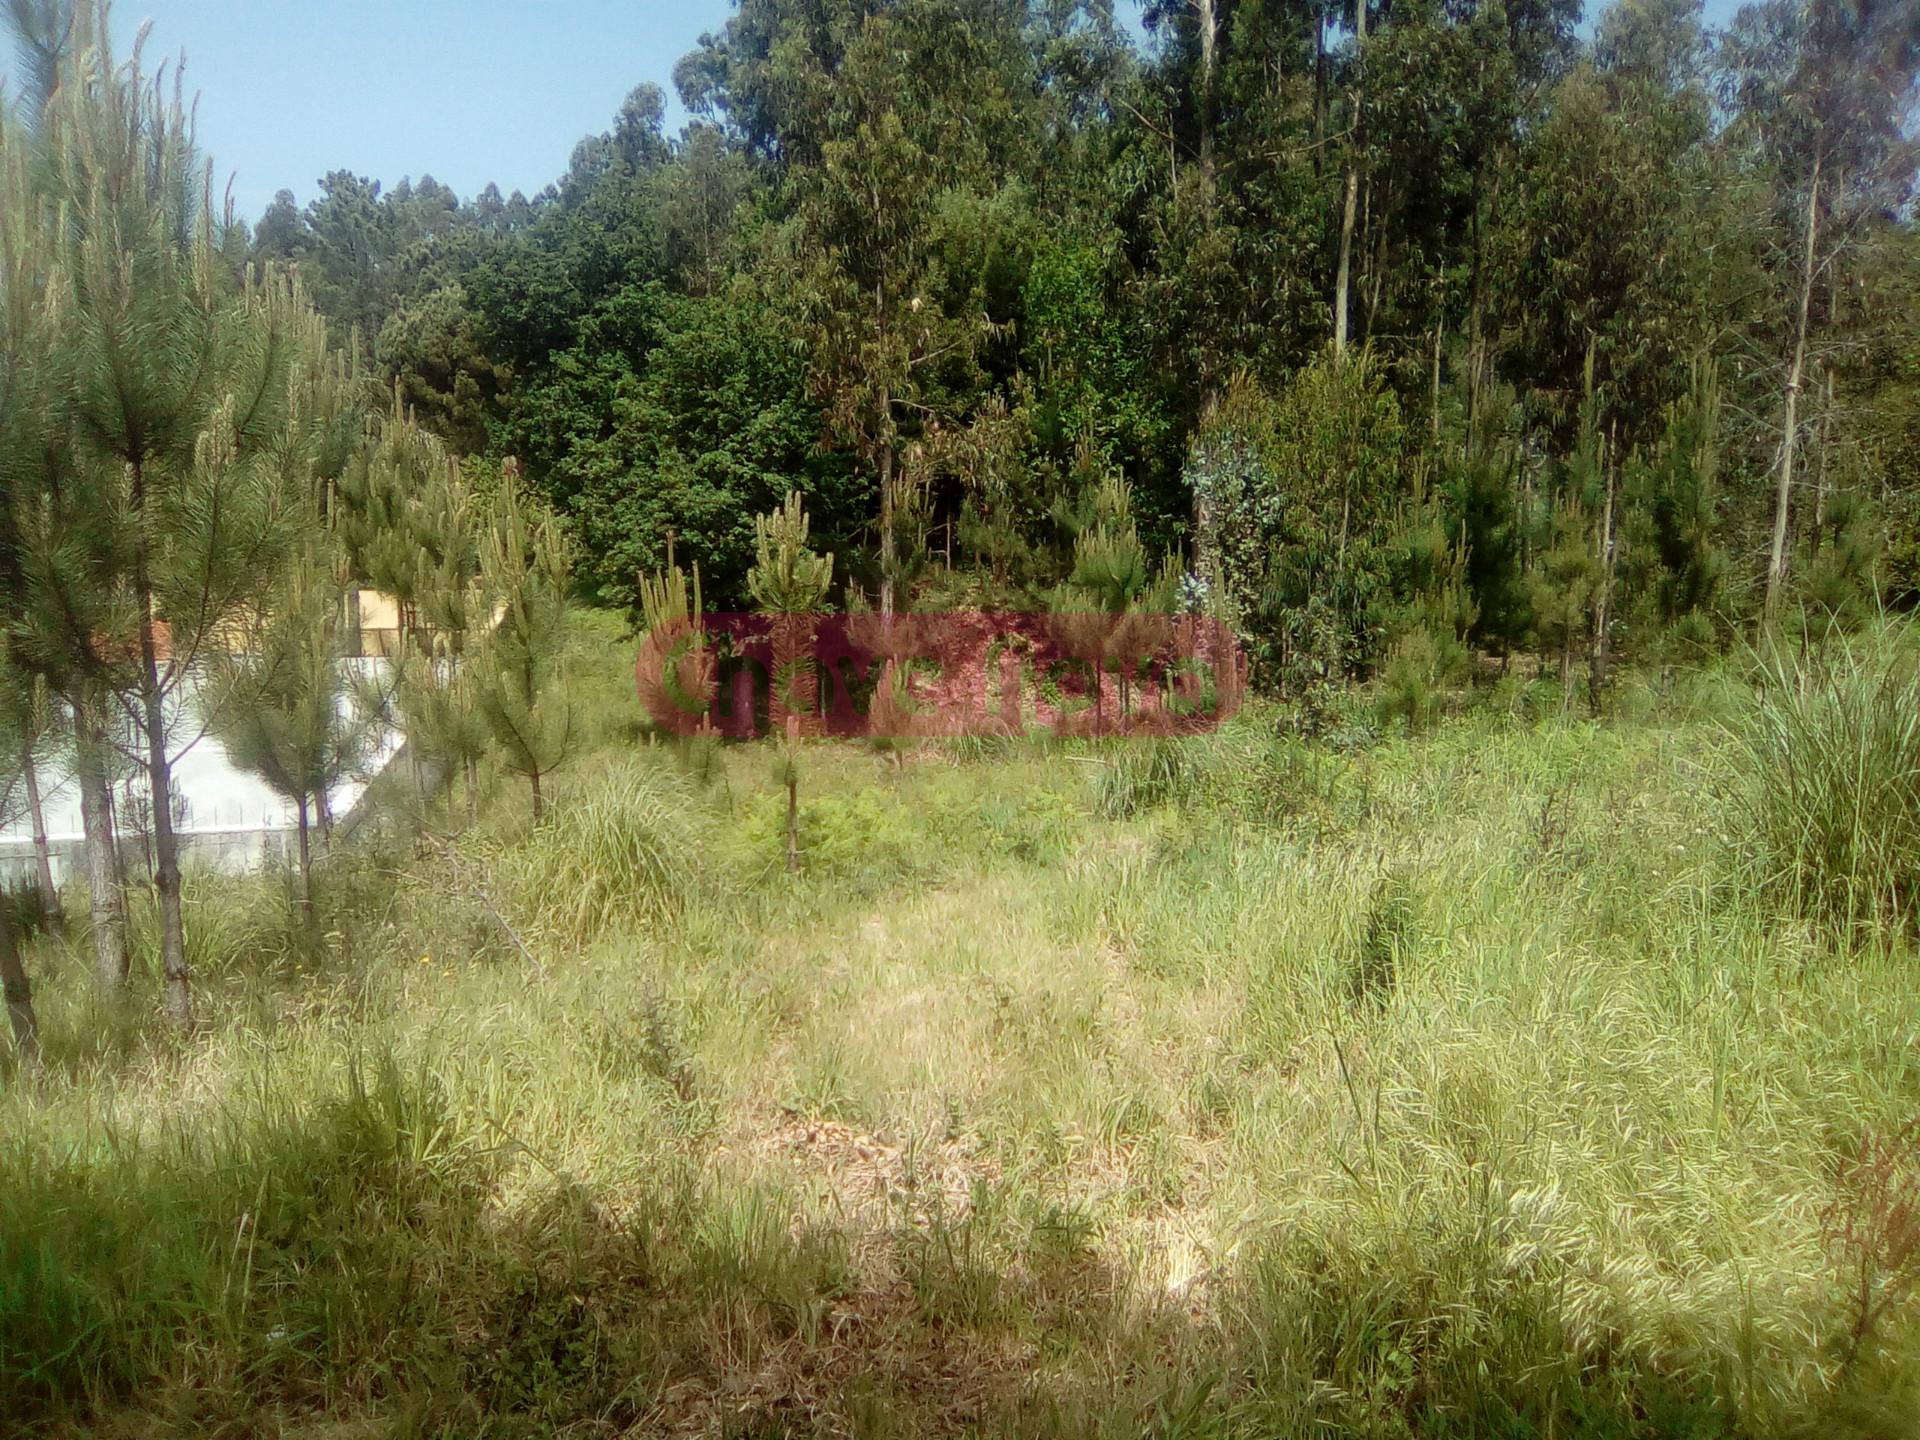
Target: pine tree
[790, 584]
[281, 709]
[433, 684]
[788, 578]
[180, 419]
[385, 510]
[1111, 612]
[523, 581]
[42, 494]
[677, 672]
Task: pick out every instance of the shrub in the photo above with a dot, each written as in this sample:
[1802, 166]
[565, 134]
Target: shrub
[1872, 1229]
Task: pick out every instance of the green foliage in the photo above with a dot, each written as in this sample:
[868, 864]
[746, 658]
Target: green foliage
[1564, 582]
[1238, 500]
[1420, 668]
[1677, 567]
[788, 578]
[1486, 522]
[1109, 562]
[1299, 505]
[281, 708]
[523, 588]
[433, 350]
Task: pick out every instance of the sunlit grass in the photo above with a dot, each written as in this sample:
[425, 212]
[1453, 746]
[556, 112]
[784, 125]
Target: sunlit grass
[1456, 1086]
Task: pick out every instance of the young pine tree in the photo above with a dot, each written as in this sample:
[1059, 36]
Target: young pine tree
[434, 686]
[282, 709]
[790, 584]
[1111, 610]
[524, 574]
[180, 412]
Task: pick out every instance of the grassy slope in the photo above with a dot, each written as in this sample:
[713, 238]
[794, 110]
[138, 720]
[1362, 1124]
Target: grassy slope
[1439, 1088]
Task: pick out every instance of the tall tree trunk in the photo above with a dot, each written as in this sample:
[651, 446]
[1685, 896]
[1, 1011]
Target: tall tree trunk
[1820, 479]
[1343, 281]
[1376, 279]
[1796, 371]
[1439, 335]
[106, 893]
[1319, 95]
[539, 800]
[166, 849]
[1601, 653]
[1477, 360]
[886, 530]
[42, 852]
[308, 915]
[1209, 22]
[18, 992]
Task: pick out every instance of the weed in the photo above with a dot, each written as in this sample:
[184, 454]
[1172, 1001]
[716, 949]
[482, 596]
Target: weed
[1872, 1227]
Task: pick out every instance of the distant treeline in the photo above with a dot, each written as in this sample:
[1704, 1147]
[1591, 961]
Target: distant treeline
[1402, 330]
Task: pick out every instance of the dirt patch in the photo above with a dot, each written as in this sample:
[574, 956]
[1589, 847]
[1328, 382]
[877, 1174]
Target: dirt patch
[878, 1179]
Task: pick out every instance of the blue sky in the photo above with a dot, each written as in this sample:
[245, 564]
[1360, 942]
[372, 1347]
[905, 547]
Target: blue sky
[470, 91]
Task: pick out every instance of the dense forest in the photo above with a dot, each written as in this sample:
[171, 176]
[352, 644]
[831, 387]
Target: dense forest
[1412, 329]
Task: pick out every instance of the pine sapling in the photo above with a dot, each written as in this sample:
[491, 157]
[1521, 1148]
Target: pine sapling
[524, 575]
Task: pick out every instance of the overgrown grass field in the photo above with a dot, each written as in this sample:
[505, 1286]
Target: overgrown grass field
[1499, 1082]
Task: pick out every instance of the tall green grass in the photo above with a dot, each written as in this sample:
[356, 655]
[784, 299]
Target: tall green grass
[1433, 1087]
[1830, 800]
[618, 850]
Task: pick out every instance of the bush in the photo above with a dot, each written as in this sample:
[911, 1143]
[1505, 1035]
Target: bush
[1830, 806]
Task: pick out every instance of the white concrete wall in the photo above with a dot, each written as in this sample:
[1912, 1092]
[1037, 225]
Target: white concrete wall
[231, 821]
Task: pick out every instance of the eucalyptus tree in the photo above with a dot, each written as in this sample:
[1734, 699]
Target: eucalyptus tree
[906, 124]
[1823, 95]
